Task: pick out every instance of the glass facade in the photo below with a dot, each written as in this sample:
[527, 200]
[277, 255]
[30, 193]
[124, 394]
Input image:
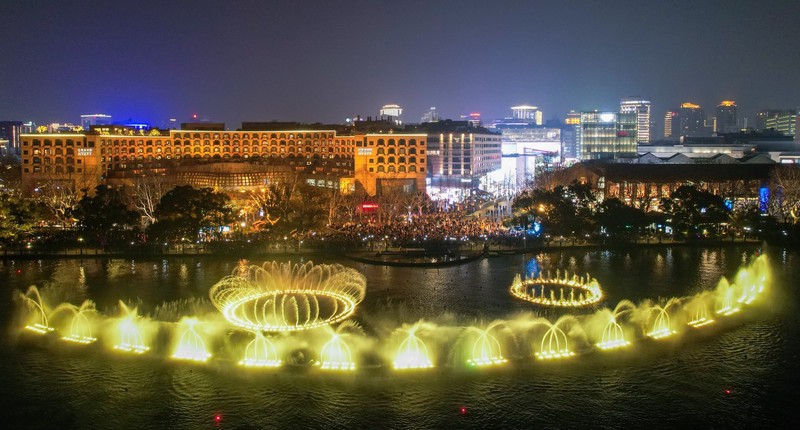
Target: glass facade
[608, 135]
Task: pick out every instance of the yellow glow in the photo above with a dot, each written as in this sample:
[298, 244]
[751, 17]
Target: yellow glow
[130, 336]
[728, 103]
[690, 106]
[486, 351]
[336, 355]
[613, 336]
[260, 352]
[561, 292]
[661, 327]
[33, 300]
[554, 345]
[190, 345]
[412, 354]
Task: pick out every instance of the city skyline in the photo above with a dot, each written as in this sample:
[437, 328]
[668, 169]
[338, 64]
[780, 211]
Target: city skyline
[287, 61]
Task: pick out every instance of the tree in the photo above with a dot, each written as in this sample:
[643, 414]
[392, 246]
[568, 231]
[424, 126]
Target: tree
[693, 212]
[563, 211]
[785, 199]
[184, 211]
[619, 220]
[60, 196]
[145, 193]
[105, 214]
[17, 217]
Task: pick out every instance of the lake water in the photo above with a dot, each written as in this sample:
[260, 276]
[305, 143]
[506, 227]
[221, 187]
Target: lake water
[742, 376]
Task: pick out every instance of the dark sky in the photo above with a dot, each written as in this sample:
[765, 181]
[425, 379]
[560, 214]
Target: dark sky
[323, 61]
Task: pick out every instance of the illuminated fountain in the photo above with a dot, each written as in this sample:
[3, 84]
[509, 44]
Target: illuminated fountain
[569, 291]
[700, 315]
[554, 344]
[336, 354]
[80, 328]
[190, 344]
[613, 336]
[39, 323]
[287, 297]
[412, 354]
[728, 306]
[661, 325]
[260, 352]
[485, 349]
[129, 332]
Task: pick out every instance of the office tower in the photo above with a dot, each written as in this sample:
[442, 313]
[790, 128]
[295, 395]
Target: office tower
[430, 116]
[725, 121]
[641, 108]
[608, 135]
[527, 113]
[784, 122]
[672, 124]
[692, 120]
[570, 136]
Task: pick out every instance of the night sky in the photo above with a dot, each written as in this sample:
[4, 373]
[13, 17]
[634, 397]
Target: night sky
[324, 61]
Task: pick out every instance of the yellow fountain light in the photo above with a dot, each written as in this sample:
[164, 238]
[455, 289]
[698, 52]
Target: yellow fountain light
[566, 292]
[613, 336]
[83, 340]
[554, 345]
[131, 339]
[285, 297]
[336, 355]
[39, 328]
[190, 345]
[412, 354]
[80, 330]
[260, 352]
[661, 327]
[486, 351]
[700, 322]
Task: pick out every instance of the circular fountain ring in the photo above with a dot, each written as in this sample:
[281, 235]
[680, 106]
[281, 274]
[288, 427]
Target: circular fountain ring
[287, 297]
[566, 292]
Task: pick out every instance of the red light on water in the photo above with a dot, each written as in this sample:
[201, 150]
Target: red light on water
[218, 418]
[19, 271]
[463, 410]
[728, 391]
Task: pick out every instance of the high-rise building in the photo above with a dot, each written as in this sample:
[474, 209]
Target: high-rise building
[95, 119]
[473, 119]
[570, 136]
[460, 154]
[393, 113]
[785, 122]
[761, 118]
[10, 132]
[692, 120]
[430, 116]
[527, 113]
[641, 108]
[672, 124]
[608, 135]
[726, 119]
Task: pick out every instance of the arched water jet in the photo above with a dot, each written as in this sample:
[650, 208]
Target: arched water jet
[554, 344]
[613, 336]
[260, 352]
[700, 315]
[190, 344]
[129, 332]
[485, 349]
[33, 300]
[661, 324]
[80, 328]
[412, 354]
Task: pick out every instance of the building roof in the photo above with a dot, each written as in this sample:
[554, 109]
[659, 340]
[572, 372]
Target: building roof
[618, 172]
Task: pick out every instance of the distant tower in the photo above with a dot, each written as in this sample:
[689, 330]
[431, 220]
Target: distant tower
[672, 124]
[641, 108]
[393, 113]
[571, 136]
[692, 120]
[430, 116]
[95, 119]
[527, 113]
[726, 118]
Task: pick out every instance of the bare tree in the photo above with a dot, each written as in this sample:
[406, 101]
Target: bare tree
[145, 193]
[784, 202]
[61, 195]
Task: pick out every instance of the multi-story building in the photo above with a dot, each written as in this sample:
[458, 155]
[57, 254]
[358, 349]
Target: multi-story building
[570, 136]
[608, 135]
[461, 155]
[672, 124]
[785, 122]
[726, 119]
[391, 162]
[10, 131]
[527, 113]
[691, 120]
[83, 160]
[641, 108]
[89, 120]
[392, 113]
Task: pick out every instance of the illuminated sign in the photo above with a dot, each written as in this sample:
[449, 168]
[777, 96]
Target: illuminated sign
[690, 106]
[84, 151]
[364, 151]
[607, 117]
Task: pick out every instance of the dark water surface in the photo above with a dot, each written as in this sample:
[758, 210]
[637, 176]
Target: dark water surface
[680, 383]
